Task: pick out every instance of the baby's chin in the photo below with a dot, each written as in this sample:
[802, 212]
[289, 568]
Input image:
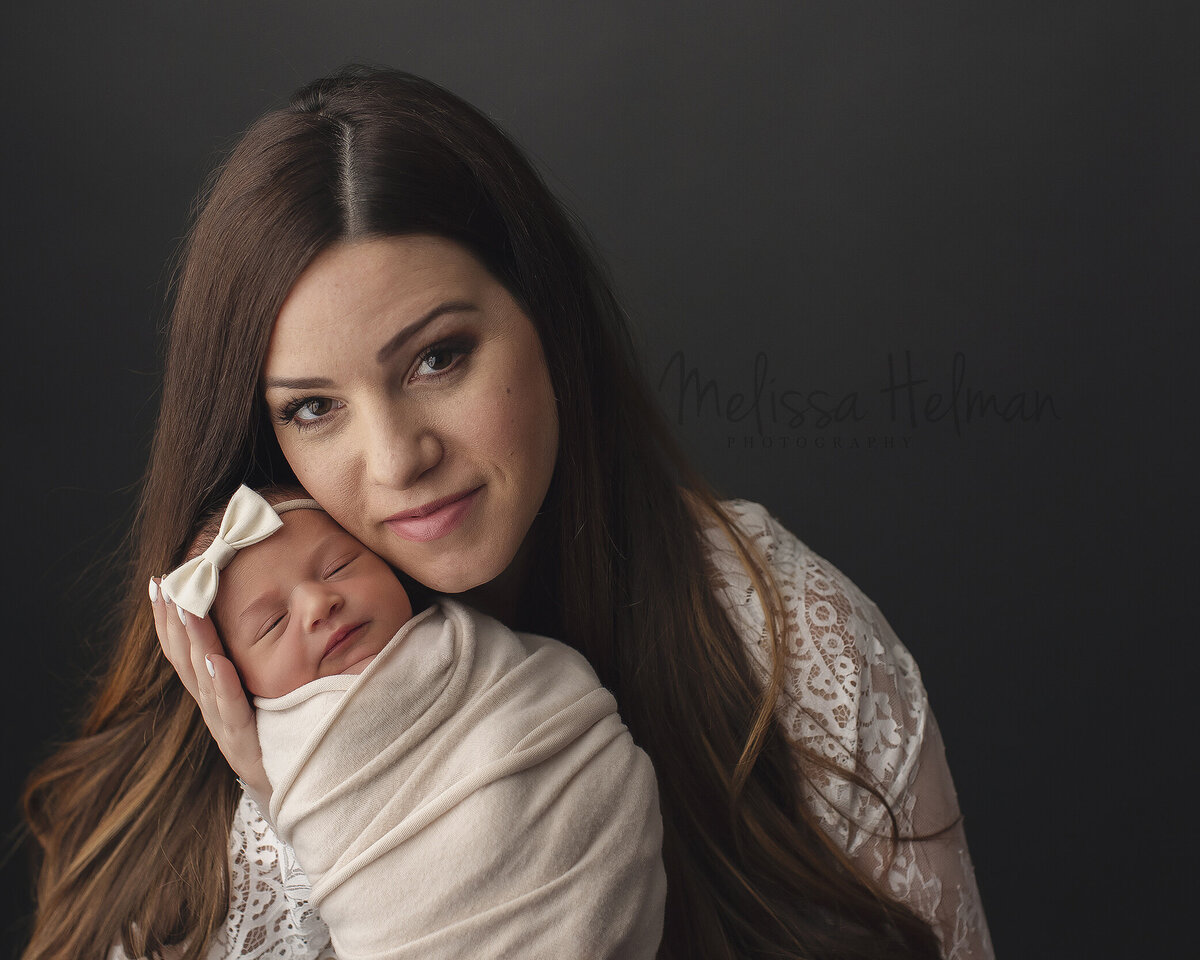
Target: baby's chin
[356, 668]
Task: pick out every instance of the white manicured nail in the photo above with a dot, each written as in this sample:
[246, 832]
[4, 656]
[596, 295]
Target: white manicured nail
[153, 591]
[212, 671]
[182, 616]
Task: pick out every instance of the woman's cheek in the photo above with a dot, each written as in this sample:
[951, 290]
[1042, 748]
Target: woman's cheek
[323, 470]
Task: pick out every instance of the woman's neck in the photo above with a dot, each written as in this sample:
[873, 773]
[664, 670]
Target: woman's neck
[525, 596]
[501, 597]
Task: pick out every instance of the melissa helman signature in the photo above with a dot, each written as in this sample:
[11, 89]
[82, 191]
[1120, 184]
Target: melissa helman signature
[906, 401]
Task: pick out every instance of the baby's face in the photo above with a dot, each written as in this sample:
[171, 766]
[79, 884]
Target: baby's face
[308, 601]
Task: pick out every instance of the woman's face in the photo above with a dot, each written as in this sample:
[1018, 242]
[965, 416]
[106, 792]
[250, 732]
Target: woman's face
[411, 397]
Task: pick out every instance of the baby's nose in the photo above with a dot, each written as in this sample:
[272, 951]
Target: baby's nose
[316, 603]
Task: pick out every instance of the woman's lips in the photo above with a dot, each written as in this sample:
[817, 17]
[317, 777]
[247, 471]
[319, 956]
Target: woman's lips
[435, 523]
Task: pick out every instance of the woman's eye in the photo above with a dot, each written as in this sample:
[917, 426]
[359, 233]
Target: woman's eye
[308, 411]
[313, 409]
[439, 358]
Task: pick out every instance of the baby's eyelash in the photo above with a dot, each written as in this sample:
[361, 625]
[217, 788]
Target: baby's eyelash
[340, 565]
[268, 627]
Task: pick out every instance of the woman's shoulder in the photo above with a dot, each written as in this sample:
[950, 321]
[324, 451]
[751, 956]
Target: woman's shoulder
[852, 690]
[854, 695]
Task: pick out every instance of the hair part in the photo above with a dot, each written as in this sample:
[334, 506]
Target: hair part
[133, 816]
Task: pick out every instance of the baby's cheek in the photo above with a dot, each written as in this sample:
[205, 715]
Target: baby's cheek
[276, 677]
[301, 674]
[359, 667]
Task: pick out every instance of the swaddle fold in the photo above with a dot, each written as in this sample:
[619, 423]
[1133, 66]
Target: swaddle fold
[472, 793]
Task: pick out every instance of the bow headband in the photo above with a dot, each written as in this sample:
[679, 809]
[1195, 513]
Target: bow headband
[248, 519]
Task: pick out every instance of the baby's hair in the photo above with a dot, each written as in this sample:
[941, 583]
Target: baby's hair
[209, 524]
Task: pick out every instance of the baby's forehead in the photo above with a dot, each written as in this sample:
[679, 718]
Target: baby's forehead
[283, 555]
[303, 530]
[306, 521]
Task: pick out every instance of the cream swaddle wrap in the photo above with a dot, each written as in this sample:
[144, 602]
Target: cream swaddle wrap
[472, 793]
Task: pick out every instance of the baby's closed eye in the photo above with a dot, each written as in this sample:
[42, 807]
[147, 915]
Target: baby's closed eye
[340, 564]
[271, 624]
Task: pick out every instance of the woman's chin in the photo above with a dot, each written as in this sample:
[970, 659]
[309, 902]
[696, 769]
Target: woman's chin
[487, 575]
[492, 589]
[458, 578]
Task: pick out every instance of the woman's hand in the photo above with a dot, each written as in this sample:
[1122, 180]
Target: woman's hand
[194, 650]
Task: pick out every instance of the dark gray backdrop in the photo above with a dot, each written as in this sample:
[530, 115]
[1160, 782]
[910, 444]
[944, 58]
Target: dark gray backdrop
[791, 196]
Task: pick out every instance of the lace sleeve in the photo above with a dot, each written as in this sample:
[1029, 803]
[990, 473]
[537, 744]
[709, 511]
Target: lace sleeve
[854, 694]
[269, 915]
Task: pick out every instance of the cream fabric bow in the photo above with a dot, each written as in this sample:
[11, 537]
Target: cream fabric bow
[247, 520]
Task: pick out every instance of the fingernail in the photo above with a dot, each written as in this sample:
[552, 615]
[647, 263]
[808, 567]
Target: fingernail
[212, 671]
[182, 616]
[153, 591]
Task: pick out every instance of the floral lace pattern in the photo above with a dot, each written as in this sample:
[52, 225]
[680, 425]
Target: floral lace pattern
[269, 914]
[853, 693]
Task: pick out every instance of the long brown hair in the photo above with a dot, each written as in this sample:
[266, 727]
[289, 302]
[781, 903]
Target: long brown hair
[133, 816]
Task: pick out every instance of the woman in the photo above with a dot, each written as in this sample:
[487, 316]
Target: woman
[380, 299]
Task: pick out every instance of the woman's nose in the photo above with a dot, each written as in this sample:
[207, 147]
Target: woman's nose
[398, 449]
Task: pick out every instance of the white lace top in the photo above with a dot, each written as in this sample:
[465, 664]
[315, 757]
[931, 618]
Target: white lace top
[864, 706]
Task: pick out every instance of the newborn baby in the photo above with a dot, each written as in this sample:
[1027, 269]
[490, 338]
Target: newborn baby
[451, 788]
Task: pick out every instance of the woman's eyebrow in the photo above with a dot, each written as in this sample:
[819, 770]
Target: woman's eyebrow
[297, 383]
[397, 342]
[393, 346]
